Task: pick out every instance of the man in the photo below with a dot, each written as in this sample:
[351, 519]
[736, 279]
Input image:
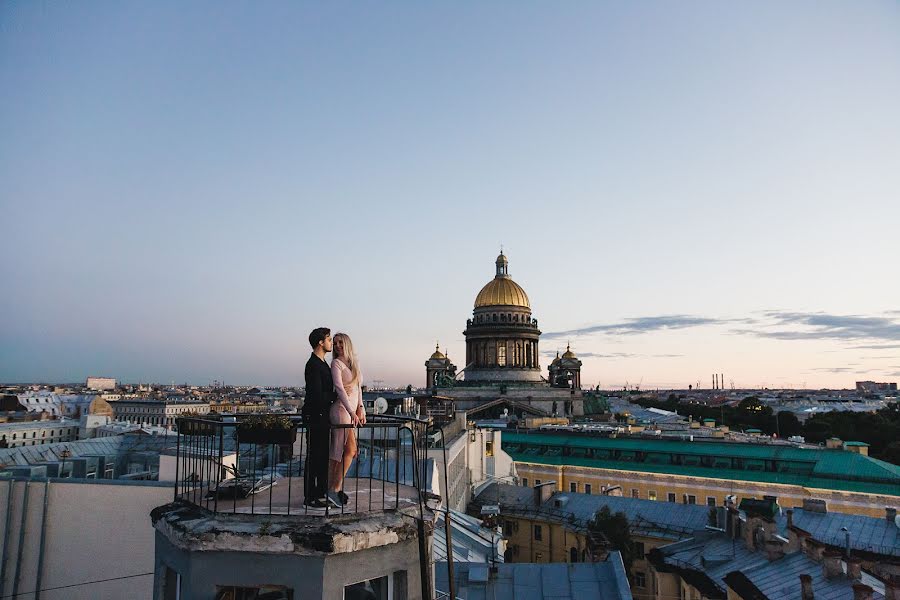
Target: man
[319, 396]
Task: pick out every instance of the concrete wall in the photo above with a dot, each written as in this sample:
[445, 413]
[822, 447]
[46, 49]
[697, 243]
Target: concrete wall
[310, 576]
[93, 530]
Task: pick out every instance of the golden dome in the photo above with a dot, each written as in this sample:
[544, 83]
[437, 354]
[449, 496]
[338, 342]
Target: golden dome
[555, 360]
[502, 290]
[568, 353]
[437, 353]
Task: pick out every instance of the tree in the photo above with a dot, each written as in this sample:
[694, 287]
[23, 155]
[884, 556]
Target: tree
[617, 531]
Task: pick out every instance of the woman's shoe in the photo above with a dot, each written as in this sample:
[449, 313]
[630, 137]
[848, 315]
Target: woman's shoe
[344, 497]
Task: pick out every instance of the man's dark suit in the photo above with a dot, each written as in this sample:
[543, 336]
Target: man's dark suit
[319, 396]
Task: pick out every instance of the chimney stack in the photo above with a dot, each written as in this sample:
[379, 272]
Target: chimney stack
[806, 591]
[892, 588]
[813, 549]
[831, 564]
[890, 513]
[854, 568]
[774, 550]
[862, 592]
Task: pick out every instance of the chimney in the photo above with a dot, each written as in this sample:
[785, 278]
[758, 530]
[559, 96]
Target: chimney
[790, 517]
[892, 588]
[890, 513]
[813, 549]
[854, 568]
[774, 550]
[831, 564]
[806, 591]
[815, 505]
[749, 533]
[862, 592]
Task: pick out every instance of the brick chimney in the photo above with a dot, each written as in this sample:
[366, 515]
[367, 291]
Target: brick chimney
[892, 588]
[806, 590]
[814, 549]
[854, 568]
[774, 549]
[815, 505]
[831, 564]
[862, 592]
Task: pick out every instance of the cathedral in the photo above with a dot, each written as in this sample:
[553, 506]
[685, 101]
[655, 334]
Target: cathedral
[502, 366]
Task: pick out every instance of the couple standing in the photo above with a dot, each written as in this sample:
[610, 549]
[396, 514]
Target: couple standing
[333, 397]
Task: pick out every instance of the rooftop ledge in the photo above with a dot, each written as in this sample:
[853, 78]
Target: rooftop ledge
[193, 528]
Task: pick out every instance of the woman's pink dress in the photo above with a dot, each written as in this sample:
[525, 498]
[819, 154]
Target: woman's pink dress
[349, 399]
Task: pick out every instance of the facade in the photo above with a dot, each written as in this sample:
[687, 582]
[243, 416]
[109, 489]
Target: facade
[438, 369]
[157, 412]
[36, 433]
[873, 387]
[565, 370]
[706, 472]
[100, 383]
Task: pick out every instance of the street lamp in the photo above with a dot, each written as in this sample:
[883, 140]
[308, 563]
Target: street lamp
[64, 454]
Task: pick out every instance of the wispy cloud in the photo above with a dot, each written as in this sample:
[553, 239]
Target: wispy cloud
[637, 325]
[822, 326]
[841, 370]
[875, 347]
[552, 353]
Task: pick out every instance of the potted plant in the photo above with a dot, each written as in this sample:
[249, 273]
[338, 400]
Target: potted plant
[190, 424]
[266, 429]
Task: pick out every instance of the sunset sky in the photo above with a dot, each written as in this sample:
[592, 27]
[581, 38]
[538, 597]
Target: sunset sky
[186, 189]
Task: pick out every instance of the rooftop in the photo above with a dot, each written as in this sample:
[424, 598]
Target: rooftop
[814, 468]
[540, 581]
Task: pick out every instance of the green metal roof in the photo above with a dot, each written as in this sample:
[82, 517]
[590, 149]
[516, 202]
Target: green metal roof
[830, 469]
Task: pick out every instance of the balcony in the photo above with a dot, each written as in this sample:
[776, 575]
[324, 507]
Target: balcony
[217, 470]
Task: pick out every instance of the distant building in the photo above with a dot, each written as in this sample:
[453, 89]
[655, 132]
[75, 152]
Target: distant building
[36, 433]
[100, 383]
[706, 472]
[157, 411]
[872, 387]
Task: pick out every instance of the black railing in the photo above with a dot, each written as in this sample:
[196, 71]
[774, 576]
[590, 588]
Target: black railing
[226, 467]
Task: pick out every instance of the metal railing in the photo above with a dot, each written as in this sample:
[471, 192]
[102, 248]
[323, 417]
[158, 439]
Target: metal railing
[218, 469]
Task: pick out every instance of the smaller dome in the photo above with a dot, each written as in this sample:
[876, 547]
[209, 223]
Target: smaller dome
[437, 353]
[556, 360]
[502, 260]
[568, 353]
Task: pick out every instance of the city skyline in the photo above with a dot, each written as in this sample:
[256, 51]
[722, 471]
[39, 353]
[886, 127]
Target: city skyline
[681, 190]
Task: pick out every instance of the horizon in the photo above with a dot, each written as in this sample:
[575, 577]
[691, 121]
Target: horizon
[681, 190]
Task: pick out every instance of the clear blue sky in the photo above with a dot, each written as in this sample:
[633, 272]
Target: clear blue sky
[682, 188]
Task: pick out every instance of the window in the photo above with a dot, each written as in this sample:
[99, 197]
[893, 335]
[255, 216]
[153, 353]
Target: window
[275, 592]
[537, 482]
[635, 493]
[573, 555]
[710, 500]
[691, 499]
[489, 448]
[573, 487]
[587, 489]
[524, 482]
[651, 495]
[639, 550]
[538, 557]
[538, 533]
[640, 579]
[671, 496]
[374, 589]
[501, 355]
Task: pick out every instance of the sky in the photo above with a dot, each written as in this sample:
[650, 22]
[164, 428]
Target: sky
[187, 189]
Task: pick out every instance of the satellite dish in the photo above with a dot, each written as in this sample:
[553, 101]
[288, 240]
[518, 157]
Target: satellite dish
[381, 406]
[505, 412]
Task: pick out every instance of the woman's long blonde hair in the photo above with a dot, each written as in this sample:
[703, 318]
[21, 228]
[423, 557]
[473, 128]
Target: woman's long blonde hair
[348, 357]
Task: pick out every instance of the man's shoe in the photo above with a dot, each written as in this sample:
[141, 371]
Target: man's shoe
[344, 497]
[315, 503]
[335, 499]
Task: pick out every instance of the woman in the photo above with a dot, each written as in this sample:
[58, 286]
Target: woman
[347, 410]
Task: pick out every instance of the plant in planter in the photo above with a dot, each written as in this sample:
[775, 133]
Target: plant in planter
[186, 425]
[266, 429]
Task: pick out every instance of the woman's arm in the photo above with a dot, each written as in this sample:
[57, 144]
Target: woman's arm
[361, 410]
[338, 380]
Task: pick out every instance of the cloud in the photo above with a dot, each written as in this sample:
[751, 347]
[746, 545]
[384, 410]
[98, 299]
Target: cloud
[823, 326]
[638, 325]
[874, 347]
[841, 370]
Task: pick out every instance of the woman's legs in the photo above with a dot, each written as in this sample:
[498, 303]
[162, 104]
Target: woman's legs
[338, 469]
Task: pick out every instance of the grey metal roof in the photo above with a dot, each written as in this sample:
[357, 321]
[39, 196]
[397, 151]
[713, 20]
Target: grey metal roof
[871, 534]
[471, 541]
[107, 446]
[538, 581]
[780, 579]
